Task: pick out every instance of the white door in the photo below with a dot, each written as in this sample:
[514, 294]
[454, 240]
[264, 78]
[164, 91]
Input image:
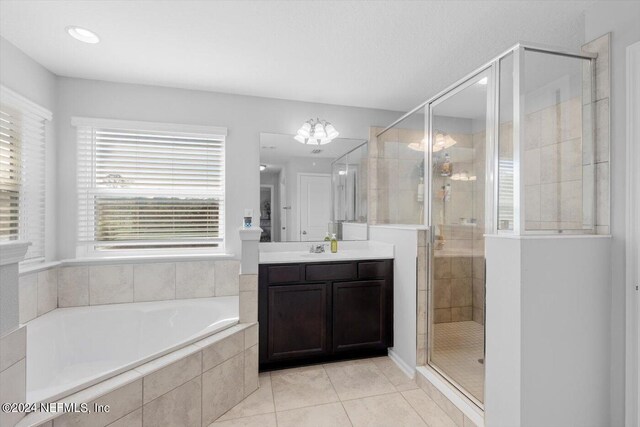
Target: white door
[315, 206]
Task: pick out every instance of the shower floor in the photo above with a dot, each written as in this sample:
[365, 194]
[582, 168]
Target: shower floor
[457, 347]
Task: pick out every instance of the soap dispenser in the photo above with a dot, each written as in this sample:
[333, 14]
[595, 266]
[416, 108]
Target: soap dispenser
[334, 243]
[327, 238]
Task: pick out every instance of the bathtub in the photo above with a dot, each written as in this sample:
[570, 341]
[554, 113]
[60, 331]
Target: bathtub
[70, 349]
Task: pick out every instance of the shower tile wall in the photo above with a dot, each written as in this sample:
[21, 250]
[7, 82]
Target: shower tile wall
[394, 177]
[601, 46]
[553, 167]
[458, 289]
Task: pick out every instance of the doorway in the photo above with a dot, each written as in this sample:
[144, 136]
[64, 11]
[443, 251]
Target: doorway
[314, 196]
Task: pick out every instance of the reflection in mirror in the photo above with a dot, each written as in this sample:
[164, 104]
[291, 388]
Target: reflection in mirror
[307, 191]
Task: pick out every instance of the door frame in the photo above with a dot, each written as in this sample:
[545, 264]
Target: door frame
[632, 339]
[271, 194]
[299, 192]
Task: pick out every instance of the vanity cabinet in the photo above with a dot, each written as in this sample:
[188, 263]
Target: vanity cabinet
[313, 312]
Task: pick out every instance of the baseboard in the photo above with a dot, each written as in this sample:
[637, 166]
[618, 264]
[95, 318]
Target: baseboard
[411, 372]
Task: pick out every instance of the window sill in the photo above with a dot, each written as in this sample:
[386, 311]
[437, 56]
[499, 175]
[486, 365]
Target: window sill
[137, 259]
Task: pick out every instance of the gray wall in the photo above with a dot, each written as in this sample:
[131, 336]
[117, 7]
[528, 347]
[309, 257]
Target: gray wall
[25, 76]
[621, 19]
[244, 116]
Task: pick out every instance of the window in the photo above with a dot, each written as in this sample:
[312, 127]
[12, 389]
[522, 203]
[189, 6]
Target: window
[151, 187]
[22, 171]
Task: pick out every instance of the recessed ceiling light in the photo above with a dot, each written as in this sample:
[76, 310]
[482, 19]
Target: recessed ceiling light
[262, 167]
[483, 81]
[83, 34]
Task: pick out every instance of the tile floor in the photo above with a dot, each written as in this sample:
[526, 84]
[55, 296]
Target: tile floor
[365, 392]
[457, 348]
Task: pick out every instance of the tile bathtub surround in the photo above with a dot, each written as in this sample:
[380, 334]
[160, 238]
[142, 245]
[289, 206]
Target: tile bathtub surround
[192, 386]
[38, 294]
[308, 396]
[13, 353]
[73, 286]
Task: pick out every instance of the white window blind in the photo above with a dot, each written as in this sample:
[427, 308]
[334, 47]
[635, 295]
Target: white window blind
[22, 172]
[145, 186]
[505, 194]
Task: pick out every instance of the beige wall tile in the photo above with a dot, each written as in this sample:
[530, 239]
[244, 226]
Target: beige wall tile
[602, 194]
[532, 203]
[549, 202]
[442, 315]
[227, 277]
[549, 161]
[549, 129]
[13, 347]
[251, 336]
[28, 297]
[13, 386]
[179, 407]
[248, 307]
[133, 419]
[571, 160]
[532, 130]
[461, 314]
[154, 282]
[602, 131]
[442, 267]
[73, 286]
[442, 293]
[250, 370]
[171, 376]
[222, 388]
[461, 267]
[218, 352]
[195, 279]
[571, 202]
[121, 401]
[532, 167]
[248, 282]
[461, 290]
[47, 291]
[258, 402]
[110, 284]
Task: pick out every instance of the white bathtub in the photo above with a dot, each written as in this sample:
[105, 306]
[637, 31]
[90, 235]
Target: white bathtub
[72, 348]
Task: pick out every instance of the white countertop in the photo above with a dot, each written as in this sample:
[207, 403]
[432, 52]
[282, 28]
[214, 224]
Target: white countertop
[287, 252]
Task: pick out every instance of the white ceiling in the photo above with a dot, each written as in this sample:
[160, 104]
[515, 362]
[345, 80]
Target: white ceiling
[386, 54]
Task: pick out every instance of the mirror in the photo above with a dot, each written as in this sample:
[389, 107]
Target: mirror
[307, 191]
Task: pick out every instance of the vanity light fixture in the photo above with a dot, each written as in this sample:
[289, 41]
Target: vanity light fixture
[262, 167]
[318, 132]
[83, 35]
[442, 140]
[463, 176]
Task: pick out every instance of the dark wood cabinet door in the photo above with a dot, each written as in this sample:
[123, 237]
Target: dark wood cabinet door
[359, 315]
[298, 318]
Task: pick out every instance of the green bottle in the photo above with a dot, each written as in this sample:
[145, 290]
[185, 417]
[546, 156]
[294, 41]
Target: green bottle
[334, 243]
[327, 238]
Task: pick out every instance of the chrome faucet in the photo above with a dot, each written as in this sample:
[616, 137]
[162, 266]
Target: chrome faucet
[317, 248]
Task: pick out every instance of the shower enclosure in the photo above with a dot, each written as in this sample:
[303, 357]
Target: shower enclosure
[509, 149]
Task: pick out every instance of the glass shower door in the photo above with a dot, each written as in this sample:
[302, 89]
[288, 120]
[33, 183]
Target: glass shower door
[458, 128]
